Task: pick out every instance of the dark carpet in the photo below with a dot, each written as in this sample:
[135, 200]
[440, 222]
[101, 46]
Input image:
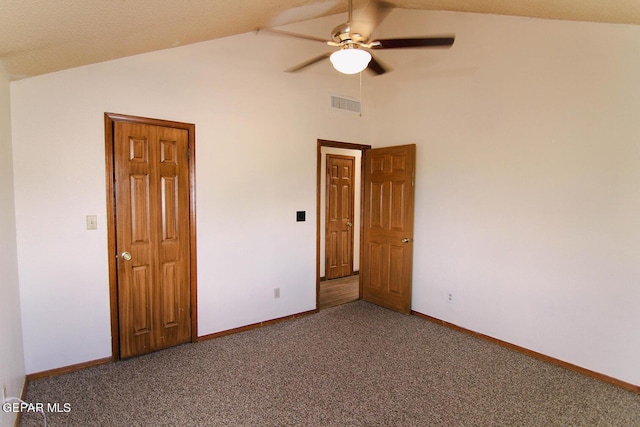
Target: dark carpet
[352, 365]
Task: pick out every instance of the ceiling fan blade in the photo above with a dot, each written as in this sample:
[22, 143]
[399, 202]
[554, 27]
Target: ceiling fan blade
[289, 34]
[413, 42]
[367, 19]
[376, 67]
[309, 62]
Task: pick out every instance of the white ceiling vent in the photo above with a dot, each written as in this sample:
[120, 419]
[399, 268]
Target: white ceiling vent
[345, 104]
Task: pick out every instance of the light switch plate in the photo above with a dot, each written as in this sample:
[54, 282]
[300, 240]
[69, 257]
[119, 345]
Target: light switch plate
[92, 222]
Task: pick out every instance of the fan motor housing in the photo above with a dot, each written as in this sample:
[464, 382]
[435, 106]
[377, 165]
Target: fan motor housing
[342, 34]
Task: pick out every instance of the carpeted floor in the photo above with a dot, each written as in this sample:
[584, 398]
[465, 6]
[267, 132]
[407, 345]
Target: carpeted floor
[352, 365]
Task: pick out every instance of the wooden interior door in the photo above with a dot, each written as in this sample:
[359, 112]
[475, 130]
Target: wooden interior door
[152, 213]
[339, 216]
[387, 258]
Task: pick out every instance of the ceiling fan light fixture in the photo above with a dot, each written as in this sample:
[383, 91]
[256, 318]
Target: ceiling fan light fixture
[350, 60]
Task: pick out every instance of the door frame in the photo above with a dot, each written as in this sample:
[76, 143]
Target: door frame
[349, 146]
[109, 120]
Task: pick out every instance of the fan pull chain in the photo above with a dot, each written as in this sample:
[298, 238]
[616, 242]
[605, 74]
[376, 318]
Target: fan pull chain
[360, 93]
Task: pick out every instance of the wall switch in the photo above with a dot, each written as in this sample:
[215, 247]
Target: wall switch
[301, 216]
[276, 293]
[92, 222]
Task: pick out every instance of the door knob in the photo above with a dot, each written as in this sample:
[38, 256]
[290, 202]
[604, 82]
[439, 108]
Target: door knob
[406, 240]
[349, 224]
[126, 256]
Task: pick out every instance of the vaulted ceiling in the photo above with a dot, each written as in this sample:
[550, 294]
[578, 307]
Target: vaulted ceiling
[41, 36]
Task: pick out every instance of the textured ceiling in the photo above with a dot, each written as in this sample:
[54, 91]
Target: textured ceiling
[41, 36]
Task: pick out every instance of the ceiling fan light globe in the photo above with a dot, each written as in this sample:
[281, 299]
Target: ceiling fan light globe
[350, 61]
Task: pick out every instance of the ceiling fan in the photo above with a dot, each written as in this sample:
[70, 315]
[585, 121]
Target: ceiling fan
[353, 40]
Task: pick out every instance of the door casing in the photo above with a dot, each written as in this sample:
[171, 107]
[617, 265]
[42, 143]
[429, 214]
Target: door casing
[109, 119]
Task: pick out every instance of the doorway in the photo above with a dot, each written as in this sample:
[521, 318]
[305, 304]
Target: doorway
[385, 229]
[339, 222]
[151, 233]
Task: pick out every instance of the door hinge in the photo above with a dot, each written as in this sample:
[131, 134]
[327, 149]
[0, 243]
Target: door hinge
[188, 153]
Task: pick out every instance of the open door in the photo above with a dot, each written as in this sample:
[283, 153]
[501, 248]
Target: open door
[387, 256]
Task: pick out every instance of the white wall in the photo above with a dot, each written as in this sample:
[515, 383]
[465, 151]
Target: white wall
[256, 134]
[526, 191]
[528, 166]
[12, 371]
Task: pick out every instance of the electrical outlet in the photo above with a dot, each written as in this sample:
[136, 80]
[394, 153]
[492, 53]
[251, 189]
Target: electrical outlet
[449, 297]
[276, 293]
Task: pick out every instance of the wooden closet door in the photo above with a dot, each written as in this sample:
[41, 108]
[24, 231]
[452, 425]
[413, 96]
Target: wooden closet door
[152, 234]
[339, 216]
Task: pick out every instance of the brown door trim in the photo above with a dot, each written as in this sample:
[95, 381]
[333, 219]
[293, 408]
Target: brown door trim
[349, 146]
[109, 119]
